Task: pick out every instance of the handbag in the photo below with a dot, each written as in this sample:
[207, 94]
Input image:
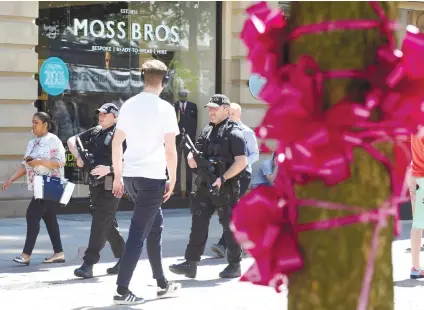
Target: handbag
[50, 188]
[53, 189]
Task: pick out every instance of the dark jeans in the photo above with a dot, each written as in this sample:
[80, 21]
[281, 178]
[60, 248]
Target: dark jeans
[182, 156]
[103, 225]
[244, 186]
[36, 211]
[146, 222]
[202, 211]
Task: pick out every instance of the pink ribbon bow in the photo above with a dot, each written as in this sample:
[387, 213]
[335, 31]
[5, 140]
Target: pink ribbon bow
[262, 34]
[398, 87]
[316, 143]
[268, 236]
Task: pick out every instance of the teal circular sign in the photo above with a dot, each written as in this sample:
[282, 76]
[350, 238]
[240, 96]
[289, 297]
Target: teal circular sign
[54, 76]
[256, 82]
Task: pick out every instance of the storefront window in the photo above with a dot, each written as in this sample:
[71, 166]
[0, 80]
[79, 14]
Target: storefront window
[103, 45]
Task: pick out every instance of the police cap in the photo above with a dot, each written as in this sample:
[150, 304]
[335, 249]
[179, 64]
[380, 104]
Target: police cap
[108, 108]
[218, 100]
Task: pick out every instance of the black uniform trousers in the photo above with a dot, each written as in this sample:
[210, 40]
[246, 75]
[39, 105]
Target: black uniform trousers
[202, 210]
[245, 180]
[103, 226]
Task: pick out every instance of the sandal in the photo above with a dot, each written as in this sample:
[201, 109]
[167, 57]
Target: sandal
[21, 260]
[53, 259]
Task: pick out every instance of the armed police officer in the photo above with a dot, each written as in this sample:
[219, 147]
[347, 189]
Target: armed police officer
[93, 150]
[222, 144]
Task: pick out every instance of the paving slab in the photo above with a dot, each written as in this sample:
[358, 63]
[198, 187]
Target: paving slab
[54, 286]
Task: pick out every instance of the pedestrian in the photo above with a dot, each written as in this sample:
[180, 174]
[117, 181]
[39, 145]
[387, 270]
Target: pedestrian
[149, 125]
[266, 173]
[45, 155]
[416, 176]
[222, 141]
[97, 141]
[252, 153]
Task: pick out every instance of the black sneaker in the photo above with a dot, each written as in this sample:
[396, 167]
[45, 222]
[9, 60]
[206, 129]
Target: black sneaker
[231, 271]
[127, 299]
[114, 269]
[188, 269]
[171, 288]
[85, 271]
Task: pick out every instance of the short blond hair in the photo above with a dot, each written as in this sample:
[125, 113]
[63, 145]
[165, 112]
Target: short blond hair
[154, 70]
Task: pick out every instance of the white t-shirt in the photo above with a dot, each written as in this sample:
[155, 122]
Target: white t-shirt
[145, 119]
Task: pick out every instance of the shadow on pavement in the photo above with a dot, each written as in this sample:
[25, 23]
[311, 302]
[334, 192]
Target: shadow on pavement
[76, 280]
[123, 307]
[113, 307]
[191, 283]
[29, 269]
[408, 283]
[212, 261]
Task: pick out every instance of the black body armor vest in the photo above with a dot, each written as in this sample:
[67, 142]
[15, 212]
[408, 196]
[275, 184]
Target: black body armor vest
[217, 147]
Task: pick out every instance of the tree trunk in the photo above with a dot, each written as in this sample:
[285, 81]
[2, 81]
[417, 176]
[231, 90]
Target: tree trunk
[335, 260]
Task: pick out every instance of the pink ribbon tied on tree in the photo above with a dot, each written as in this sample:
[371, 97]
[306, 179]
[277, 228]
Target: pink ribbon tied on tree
[317, 144]
[265, 231]
[262, 33]
[398, 87]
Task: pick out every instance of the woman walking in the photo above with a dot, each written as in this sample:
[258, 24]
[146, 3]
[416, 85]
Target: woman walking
[45, 155]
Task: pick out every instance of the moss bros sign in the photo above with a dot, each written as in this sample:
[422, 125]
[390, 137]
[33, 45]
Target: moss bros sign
[112, 29]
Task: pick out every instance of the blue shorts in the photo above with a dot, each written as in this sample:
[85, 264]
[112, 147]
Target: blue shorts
[418, 217]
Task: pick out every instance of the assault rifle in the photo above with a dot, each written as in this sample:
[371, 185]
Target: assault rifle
[89, 164]
[207, 169]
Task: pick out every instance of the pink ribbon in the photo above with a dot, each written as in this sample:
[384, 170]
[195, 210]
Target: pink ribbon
[318, 144]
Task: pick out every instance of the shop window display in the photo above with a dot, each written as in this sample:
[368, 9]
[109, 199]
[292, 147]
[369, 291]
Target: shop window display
[103, 45]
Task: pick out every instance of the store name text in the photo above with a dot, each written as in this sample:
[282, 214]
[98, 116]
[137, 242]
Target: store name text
[98, 29]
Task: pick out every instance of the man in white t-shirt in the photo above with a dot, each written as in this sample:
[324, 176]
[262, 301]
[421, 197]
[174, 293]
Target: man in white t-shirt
[149, 125]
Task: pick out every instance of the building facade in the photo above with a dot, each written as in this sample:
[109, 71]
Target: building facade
[103, 45]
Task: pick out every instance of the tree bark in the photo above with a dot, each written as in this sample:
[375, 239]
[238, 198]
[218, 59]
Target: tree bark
[335, 260]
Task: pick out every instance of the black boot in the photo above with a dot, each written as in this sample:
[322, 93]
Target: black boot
[114, 269]
[85, 271]
[188, 269]
[233, 270]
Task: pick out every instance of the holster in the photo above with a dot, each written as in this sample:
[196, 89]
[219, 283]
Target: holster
[228, 194]
[197, 207]
[91, 179]
[190, 202]
[235, 188]
[221, 199]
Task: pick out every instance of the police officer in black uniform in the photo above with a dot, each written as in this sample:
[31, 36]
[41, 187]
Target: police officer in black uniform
[98, 142]
[222, 140]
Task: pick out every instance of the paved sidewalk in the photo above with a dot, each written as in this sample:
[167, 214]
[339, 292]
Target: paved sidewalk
[55, 287]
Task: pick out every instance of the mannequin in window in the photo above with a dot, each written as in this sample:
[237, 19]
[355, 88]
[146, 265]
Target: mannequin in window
[65, 114]
[108, 60]
[187, 118]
